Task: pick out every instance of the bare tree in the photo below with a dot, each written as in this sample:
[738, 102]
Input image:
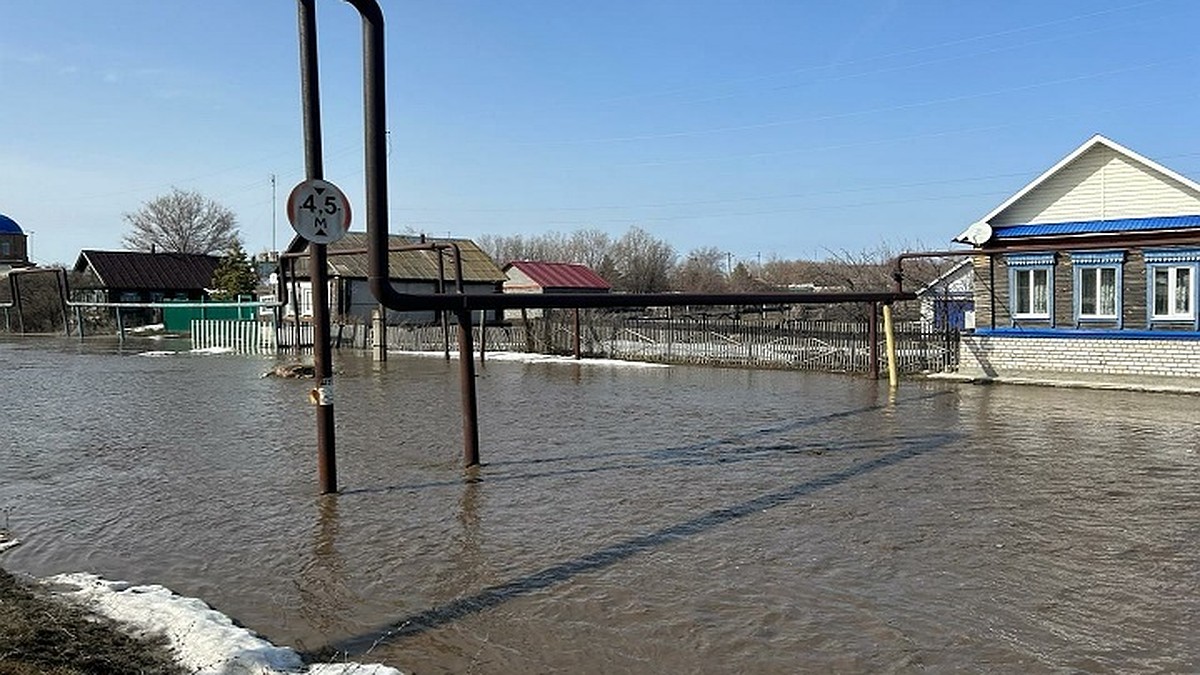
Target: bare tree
[643, 262]
[700, 272]
[182, 222]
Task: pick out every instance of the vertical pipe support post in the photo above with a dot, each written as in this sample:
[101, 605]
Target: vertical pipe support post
[466, 374]
[890, 338]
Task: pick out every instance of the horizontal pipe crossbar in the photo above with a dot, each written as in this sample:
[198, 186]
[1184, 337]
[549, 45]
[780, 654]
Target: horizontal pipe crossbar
[427, 301]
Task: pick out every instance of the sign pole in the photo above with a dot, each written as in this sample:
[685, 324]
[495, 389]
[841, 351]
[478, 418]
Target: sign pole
[322, 395]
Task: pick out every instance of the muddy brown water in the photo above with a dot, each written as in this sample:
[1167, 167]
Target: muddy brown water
[627, 519]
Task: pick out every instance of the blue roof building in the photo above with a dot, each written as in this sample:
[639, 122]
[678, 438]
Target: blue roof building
[13, 245]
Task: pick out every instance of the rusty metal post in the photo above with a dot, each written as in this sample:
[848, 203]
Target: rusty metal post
[578, 350]
[873, 337]
[466, 374]
[317, 260]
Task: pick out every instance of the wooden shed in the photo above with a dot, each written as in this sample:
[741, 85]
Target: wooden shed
[529, 276]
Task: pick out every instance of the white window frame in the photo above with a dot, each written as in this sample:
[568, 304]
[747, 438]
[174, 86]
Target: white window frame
[1173, 313]
[1173, 262]
[1031, 265]
[1089, 268]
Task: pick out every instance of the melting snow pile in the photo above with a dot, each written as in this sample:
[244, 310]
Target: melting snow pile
[204, 640]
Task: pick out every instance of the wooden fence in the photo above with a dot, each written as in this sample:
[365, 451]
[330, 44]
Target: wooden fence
[831, 346]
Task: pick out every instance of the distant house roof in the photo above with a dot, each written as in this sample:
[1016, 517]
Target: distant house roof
[956, 279]
[137, 270]
[560, 276]
[478, 267]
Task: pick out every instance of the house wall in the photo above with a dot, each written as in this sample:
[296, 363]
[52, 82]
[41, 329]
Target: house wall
[13, 249]
[999, 356]
[1101, 184]
[991, 286]
[519, 282]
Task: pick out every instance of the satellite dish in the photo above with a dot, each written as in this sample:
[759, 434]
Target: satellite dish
[977, 234]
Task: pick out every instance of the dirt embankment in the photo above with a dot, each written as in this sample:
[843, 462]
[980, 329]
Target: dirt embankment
[41, 634]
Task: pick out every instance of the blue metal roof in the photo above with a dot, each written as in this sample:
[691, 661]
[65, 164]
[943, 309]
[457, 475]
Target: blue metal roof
[9, 226]
[1098, 226]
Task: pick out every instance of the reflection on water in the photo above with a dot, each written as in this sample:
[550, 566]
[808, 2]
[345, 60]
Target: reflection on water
[626, 519]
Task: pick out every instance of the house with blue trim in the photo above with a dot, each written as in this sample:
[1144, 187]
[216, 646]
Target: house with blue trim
[1090, 268]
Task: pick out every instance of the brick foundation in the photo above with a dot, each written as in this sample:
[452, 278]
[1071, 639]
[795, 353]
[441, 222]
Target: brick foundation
[997, 356]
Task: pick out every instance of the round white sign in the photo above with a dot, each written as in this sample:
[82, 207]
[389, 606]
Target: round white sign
[318, 211]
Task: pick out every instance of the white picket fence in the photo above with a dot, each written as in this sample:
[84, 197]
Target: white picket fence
[247, 337]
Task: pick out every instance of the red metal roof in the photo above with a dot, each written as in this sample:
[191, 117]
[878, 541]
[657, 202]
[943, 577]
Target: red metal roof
[564, 276]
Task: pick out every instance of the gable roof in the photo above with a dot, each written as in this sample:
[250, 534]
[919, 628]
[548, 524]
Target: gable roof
[946, 279]
[560, 275]
[1039, 203]
[138, 270]
[348, 259]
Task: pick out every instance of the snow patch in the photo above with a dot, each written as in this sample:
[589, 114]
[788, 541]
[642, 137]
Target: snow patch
[523, 357]
[204, 640]
[157, 354]
[213, 350]
[149, 328]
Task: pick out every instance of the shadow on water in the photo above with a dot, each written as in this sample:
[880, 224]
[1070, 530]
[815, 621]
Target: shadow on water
[704, 453]
[494, 596]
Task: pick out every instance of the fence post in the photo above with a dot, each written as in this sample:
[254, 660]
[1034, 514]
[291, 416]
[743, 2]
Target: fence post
[578, 348]
[378, 336]
[873, 337]
[890, 337]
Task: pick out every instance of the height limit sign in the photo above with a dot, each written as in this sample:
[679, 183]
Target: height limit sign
[318, 211]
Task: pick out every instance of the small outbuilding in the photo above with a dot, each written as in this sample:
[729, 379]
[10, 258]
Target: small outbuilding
[528, 276]
[948, 302]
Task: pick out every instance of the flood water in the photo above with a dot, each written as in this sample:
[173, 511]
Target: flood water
[626, 519]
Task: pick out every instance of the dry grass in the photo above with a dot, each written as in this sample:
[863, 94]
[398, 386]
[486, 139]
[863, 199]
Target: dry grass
[39, 634]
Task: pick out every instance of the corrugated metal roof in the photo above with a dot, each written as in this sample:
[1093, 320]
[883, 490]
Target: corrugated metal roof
[565, 276]
[140, 271]
[1098, 226]
[408, 265]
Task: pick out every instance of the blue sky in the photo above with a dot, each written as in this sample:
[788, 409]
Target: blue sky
[765, 128]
